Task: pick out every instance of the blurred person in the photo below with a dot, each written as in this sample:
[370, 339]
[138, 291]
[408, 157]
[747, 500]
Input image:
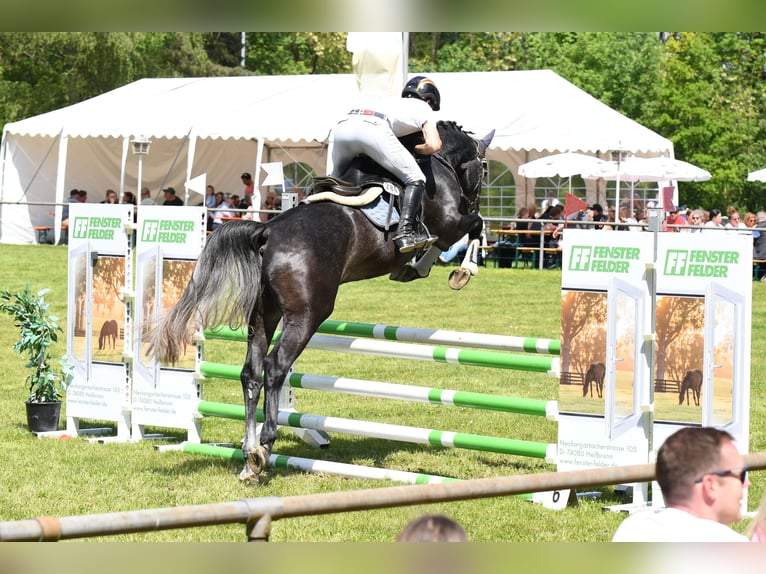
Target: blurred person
[702, 477]
[625, 217]
[735, 220]
[696, 217]
[129, 198]
[750, 219]
[456, 250]
[170, 197]
[146, 196]
[598, 215]
[432, 528]
[759, 244]
[210, 196]
[714, 220]
[111, 197]
[675, 218]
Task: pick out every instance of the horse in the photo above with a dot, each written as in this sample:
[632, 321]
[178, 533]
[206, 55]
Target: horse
[595, 374]
[290, 269]
[692, 381]
[109, 330]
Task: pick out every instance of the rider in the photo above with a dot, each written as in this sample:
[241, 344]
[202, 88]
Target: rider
[373, 129]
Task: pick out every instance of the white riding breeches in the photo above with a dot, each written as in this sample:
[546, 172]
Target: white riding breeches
[373, 137]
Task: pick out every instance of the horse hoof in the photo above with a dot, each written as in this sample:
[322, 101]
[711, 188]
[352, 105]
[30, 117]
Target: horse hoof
[257, 459]
[248, 477]
[459, 278]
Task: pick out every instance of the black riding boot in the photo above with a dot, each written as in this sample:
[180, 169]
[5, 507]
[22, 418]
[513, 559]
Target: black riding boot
[408, 237]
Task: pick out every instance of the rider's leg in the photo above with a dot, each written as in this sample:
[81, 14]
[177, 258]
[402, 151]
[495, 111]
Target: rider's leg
[408, 236]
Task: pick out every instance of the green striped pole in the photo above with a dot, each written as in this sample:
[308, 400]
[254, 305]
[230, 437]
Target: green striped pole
[415, 335]
[452, 355]
[321, 466]
[387, 431]
[484, 401]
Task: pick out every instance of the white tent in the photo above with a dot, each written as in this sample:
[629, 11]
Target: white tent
[224, 126]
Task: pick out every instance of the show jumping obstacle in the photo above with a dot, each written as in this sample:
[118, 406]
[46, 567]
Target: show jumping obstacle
[394, 341]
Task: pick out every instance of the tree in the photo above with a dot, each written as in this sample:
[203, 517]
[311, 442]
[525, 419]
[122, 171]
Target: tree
[297, 53]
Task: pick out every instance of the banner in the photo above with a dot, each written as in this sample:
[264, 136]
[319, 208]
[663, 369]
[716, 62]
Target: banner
[651, 340]
[169, 241]
[99, 315]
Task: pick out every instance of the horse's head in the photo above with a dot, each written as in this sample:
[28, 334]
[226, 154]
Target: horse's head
[466, 157]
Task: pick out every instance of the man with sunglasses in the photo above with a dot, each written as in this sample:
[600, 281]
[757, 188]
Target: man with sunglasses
[702, 477]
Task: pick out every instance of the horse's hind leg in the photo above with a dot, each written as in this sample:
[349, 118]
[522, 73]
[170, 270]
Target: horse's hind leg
[252, 383]
[277, 364]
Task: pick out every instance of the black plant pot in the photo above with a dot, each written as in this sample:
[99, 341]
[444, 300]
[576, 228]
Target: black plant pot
[43, 417]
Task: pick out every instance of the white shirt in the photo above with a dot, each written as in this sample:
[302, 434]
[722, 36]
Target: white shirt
[673, 525]
[405, 115]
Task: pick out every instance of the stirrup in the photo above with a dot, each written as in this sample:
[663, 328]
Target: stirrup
[426, 241]
[406, 243]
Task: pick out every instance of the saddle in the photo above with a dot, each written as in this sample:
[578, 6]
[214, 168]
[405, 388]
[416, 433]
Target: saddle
[375, 195]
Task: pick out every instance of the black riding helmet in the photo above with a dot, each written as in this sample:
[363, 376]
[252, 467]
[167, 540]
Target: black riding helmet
[424, 89]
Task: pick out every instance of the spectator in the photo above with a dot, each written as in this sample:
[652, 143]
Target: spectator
[432, 528]
[251, 198]
[610, 219]
[210, 196]
[675, 218]
[735, 220]
[129, 198]
[223, 212]
[750, 219]
[146, 196]
[598, 215]
[270, 203]
[697, 217]
[455, 251]
[111, 197]
[75, 196]
[170, 197]
[626, 218]
[702, 477]
[759, 243]
[714, 220]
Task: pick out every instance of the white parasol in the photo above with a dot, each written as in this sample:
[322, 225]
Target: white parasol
[635, 169]
[562, 165]
[759, 175]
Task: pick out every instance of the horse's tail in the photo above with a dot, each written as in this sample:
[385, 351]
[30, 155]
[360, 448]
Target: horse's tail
[224, 289]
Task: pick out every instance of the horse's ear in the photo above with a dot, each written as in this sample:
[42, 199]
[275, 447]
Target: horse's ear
[487, 139]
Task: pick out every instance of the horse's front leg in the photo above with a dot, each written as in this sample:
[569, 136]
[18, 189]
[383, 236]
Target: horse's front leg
[252, 382]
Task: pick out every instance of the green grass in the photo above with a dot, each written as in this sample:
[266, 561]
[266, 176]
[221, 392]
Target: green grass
[69, 477]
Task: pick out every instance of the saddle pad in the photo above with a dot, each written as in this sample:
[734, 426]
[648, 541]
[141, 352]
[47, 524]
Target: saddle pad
[367, 196]
[377, 212]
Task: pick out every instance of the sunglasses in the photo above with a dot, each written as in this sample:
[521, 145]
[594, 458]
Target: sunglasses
[740, 473]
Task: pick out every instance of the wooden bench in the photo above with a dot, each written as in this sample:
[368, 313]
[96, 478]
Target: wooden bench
[41, 234]
[525, 253]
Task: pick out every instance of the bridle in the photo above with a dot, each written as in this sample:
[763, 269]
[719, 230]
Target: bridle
[469, 205]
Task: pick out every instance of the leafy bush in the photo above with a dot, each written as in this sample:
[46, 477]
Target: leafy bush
[38, 331]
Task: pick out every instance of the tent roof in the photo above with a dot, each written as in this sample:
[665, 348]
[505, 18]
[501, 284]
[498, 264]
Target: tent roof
[529, 110]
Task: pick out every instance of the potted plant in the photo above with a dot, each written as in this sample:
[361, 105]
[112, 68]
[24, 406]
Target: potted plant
[38, 330]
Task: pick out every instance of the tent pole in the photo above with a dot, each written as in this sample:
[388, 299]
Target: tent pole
[60, 177]
[123, 166]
